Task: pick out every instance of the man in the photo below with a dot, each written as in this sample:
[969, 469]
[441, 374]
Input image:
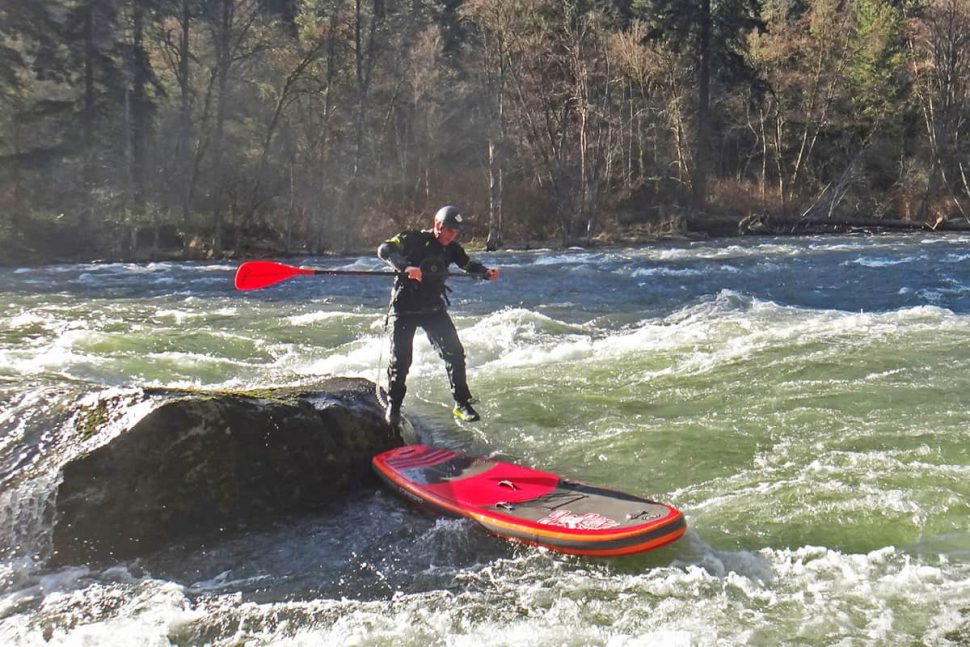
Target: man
[419, 299]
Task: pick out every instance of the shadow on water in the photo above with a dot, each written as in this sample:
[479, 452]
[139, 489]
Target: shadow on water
[375, 546]
[370, 547]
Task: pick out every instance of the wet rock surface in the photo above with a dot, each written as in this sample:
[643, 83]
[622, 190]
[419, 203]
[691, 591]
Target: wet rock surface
[202, 462]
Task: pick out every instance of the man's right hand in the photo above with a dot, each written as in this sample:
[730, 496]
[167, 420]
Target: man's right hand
[413, 273]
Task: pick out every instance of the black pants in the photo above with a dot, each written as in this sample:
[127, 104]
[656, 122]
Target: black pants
[443, 337]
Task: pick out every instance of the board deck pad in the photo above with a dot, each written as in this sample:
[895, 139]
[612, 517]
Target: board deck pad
[529, 505]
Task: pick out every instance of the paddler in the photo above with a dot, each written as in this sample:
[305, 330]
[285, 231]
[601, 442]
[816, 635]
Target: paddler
[420, 299]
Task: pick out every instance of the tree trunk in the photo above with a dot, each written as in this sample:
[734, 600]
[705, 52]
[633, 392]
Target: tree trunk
[223, 61]
[364, 55]
[87, 133]
[281, 103]
[764, 155]
[703, 150]
[17, 218]
[291, 203]
[183, 152]
[140, 108]
[496, 156]
[495, 196]
[327, 187]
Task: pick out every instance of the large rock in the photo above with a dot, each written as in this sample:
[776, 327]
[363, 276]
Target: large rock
[199, 463]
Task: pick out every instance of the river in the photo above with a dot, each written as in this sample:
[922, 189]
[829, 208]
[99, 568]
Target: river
[804, 401]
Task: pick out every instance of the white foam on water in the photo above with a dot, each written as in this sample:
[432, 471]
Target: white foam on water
[15, 413]
[217, 267]
[184, 360]
[364, 263]
[580, 258]
[97, 614]
[511, 336]
[24, 320]
[665, 271]
[311, 318]
[360, 358]
[815, 595]
[178, 317]
[728, 329]
[56, 356]
[222, 582]
[766, 596]
[518, 337]
[882, 261]
[810, 464]
[25, 512]
[706, 252]
[181, 315]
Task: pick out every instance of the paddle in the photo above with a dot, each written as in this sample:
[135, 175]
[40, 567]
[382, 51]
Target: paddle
[253, 275]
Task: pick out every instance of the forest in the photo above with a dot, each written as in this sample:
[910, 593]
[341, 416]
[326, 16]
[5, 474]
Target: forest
[148, 129]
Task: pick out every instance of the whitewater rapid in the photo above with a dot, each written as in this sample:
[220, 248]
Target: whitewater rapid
[802, 401]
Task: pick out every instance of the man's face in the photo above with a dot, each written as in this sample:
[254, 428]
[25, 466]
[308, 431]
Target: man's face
[445, 235]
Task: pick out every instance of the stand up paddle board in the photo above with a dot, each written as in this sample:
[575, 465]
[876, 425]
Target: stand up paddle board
[528, 505]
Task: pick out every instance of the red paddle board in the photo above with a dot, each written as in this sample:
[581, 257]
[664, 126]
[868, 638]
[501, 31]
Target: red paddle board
[528, 505]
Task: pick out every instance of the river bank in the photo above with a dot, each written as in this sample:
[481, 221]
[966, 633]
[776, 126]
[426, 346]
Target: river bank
[171, 246]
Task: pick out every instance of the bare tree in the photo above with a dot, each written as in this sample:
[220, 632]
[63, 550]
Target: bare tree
[659, 97]
[232, 26]
[493, 22]
[297, 64]
[940, 60]
[805, 63]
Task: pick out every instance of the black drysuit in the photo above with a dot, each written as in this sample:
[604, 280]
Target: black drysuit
[423, 303]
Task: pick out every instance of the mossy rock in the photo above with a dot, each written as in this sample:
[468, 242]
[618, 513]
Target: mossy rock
[201, 462]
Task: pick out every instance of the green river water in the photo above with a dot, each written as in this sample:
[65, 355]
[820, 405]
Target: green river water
[805, 402]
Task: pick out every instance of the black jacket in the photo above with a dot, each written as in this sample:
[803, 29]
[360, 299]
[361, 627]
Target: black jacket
[421, 249]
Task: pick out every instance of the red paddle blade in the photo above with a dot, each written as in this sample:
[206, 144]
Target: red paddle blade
[254, 275]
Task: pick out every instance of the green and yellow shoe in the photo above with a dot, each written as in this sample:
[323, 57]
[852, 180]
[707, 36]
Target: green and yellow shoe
[464, 411]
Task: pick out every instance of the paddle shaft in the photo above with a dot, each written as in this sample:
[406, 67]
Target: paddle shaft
[254, 275]
[314, 270]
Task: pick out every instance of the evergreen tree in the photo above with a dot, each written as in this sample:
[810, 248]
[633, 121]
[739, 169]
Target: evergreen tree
[34, 105]
[714, 32]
